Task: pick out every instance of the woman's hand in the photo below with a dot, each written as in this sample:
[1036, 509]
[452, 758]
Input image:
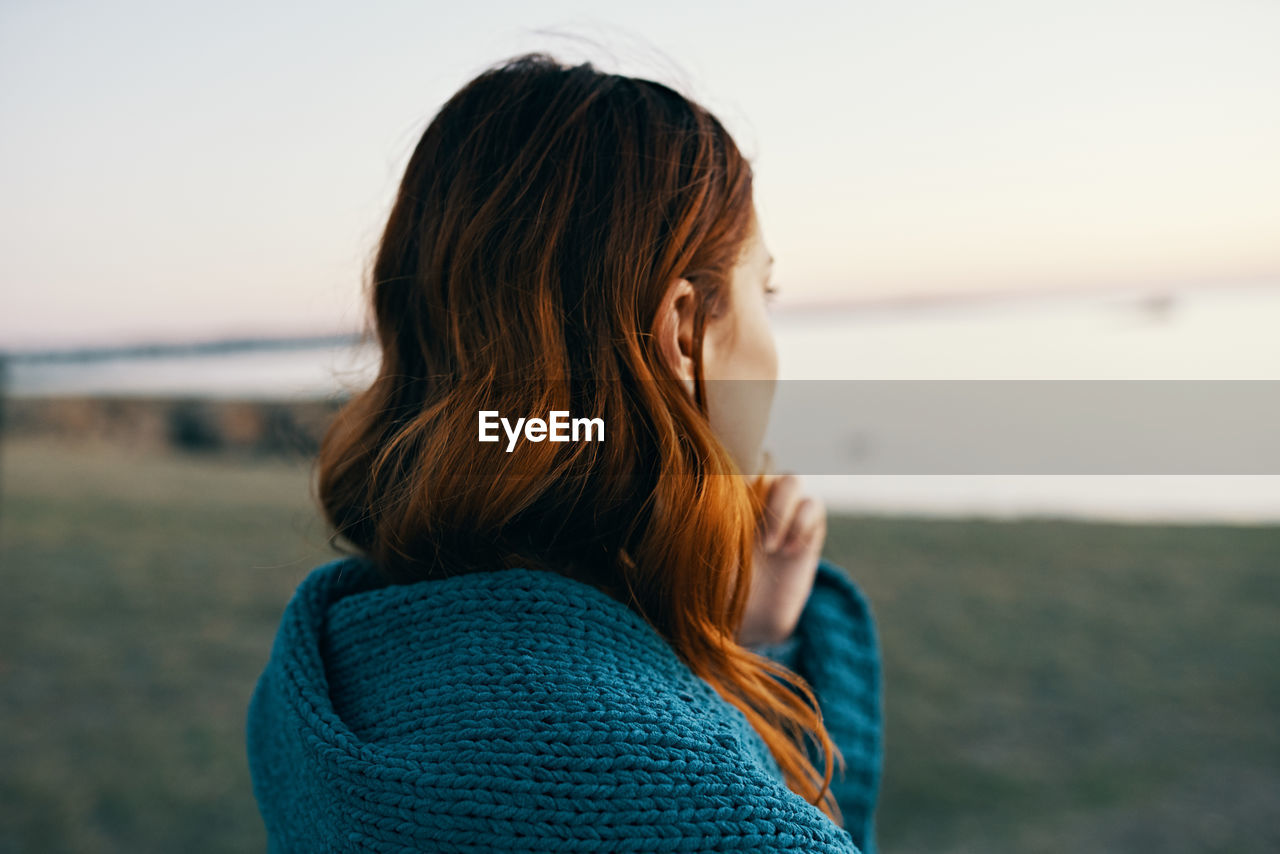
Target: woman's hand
[792, 530]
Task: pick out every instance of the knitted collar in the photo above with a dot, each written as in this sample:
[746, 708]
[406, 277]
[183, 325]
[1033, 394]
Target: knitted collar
[354, 647]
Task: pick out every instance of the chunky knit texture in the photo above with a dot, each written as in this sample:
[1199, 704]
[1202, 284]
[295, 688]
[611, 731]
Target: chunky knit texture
[521, 710]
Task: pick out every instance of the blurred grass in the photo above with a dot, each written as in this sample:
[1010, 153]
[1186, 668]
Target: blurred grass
[1050, 685]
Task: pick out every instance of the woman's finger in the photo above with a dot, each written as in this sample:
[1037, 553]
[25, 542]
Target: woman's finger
[779, 508]
[807, 524]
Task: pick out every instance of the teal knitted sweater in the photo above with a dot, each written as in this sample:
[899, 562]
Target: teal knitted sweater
[521, 710]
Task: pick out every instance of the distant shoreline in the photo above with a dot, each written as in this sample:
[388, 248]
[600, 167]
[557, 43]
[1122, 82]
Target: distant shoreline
[213, 347]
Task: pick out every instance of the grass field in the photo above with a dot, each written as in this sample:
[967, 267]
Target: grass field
[1051, 686]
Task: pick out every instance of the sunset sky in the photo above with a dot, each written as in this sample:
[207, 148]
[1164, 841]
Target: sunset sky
[178, 170]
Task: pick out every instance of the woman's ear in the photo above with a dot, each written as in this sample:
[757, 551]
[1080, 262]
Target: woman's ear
[674, 329]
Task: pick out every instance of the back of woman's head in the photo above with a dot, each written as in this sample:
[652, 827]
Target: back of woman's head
[540, 221]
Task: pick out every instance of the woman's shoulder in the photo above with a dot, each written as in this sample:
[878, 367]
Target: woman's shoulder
[514, 701]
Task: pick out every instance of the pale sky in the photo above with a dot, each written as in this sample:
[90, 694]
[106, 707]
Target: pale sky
[174, 171]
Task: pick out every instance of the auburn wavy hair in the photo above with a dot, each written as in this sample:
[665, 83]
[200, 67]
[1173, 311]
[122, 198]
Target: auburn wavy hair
[540, 219]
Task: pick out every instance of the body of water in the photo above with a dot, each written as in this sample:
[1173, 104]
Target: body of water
[1221, 333]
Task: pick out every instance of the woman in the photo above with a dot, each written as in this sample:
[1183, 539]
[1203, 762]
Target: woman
[618, 641]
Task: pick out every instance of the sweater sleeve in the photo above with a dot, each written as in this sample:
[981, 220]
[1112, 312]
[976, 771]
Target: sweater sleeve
[835, 649]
